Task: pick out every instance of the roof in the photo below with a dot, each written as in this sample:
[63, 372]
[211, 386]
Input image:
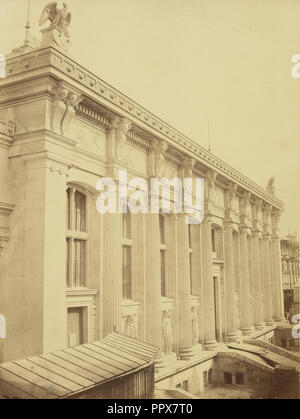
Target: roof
[72, 370]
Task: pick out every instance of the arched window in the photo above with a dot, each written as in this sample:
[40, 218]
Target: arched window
[77, 238]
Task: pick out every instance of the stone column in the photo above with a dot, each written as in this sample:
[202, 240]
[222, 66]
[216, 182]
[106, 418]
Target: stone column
[232, 334]
[268, 303]
[257, 283]
[172, 272]
[278, 310]
[245, 288]
[184, 292]
[153, 330]
[112, 273]
[210, 342]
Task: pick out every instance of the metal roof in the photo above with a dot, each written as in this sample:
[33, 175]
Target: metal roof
[72, 370]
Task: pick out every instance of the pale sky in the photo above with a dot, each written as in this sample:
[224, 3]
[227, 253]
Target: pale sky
[194, 61]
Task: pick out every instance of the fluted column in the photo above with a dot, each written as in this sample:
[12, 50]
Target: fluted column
[268, 303]
[278, 310]
[152, 280]
[257, 283]
[232, 334]
[245, 287]
[112, 277]
[184, 292]
[210, 342]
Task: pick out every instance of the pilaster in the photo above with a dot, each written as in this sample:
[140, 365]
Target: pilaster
[232, 334]
[210, 342]
[184, 292]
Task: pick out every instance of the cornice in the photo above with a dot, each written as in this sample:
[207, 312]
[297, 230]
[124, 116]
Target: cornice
[60, 64]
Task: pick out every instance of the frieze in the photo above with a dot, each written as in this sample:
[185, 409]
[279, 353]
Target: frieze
[43, 56]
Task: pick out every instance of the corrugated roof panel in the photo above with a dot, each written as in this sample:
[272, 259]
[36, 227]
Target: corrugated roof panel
[73, 370]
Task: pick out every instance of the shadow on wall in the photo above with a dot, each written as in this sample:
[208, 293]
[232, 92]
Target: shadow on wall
[264, 381]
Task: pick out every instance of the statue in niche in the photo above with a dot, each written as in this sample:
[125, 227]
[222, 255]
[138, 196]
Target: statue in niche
[167, 332]
[195, 325]
[131, 327]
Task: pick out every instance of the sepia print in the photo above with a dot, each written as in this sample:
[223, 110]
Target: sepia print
[135, 261]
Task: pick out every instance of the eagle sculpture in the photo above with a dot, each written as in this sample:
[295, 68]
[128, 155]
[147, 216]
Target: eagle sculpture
[60, 18]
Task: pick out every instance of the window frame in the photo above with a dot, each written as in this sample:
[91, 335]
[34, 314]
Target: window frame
[73, 235]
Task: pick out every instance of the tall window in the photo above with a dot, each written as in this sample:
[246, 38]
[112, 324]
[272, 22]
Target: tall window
[163, 249]
[77, 238]
[190, 259]
[213, 239]
[126, 247]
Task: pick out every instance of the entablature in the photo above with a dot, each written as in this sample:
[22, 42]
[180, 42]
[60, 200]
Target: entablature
[51, 61]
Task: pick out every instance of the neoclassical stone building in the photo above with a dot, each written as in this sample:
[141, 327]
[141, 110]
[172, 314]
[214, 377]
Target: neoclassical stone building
[70, 275]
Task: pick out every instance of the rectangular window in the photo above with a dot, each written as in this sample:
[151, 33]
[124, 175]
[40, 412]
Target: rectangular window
[80, 211]
[68, 262]
[162, 229]
[190, 236]
[205, 378]
[68, 207]
[77, 237]
[239, 378]
[213, 240]
[163, 273]
[227, 378]
[79, 263]
[210, 376]
[127, 292]
[186, 385]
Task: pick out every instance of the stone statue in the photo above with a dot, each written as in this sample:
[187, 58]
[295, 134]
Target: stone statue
[195, 325]
[130, 327]
[60, 18]
[270, 186]
[167, 332]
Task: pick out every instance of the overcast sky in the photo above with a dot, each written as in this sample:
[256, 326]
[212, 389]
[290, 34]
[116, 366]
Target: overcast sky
[193, 61]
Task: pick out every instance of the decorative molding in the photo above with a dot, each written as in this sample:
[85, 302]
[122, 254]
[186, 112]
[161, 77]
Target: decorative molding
[5, 211]
[156, 157]
[50, 57]
[91, 115]
[187, 166]
[81, 292]
[64, 108]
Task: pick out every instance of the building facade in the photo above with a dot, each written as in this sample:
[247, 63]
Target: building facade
[70, 275]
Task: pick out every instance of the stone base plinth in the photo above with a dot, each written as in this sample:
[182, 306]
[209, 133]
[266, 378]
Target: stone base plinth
[164, 361]
[232, 336]
[185, 354]
[247, 331]
[260, 326]
[210, 345]
[55, 37]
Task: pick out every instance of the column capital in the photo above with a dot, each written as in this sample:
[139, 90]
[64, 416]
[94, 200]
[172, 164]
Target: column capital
[187, 166]
[243, 228]
[256, 233]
